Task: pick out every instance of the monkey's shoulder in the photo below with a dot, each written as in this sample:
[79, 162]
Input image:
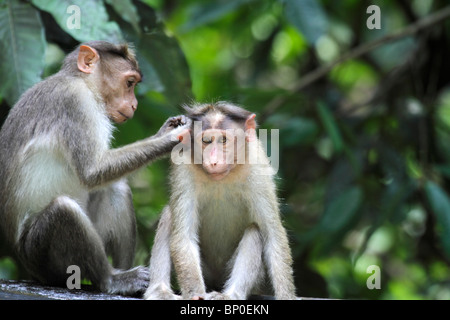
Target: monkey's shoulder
[56, 106]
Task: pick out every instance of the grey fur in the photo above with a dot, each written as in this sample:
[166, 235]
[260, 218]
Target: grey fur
[63, 197]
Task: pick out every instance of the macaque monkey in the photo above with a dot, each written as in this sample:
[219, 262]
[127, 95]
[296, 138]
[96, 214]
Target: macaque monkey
[222, 229]
[63, 197]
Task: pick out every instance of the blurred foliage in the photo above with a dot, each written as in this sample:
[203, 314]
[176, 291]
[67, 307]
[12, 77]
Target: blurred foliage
[364, 151]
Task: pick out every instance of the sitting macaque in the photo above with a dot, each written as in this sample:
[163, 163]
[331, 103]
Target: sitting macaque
[222, 229]
[64, 199]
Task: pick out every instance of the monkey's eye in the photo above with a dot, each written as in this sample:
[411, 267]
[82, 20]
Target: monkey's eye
[207, 140]
[130, 83]
[222, 139]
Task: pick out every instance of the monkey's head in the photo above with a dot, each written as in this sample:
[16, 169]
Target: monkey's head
[221, 132]
[112, 72]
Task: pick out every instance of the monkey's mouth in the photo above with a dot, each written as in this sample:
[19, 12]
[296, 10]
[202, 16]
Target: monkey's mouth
[124, 116]
[216, 172]
[217, 175]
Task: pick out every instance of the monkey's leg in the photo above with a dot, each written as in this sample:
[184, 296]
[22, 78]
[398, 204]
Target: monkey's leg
[246, 267]
[160, 263]
[112, 213]
[62, 235]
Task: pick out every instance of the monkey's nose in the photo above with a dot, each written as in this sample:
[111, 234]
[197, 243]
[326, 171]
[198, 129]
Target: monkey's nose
[213, 162]
[134, 107]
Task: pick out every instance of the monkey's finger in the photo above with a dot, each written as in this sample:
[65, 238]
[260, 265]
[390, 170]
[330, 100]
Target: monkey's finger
[184, 119]
[187, 121]
[174, 121]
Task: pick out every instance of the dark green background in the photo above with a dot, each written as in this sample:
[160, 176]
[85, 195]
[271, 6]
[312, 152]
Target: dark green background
[364, 150]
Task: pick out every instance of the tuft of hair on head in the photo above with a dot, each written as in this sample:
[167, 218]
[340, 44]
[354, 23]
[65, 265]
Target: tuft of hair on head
[232, 111]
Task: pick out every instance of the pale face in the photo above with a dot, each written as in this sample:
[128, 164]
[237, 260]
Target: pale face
[218, 152]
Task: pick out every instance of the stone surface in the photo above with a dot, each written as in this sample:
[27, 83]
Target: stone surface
[30, 290]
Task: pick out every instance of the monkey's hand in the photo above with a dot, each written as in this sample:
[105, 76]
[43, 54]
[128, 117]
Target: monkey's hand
[174, 125]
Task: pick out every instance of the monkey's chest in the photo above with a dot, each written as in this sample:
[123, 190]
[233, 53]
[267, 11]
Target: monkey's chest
[222, 225]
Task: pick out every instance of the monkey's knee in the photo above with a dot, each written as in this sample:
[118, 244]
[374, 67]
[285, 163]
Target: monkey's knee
[246, 265]
[57, 237]
[249, 253]
[41, 227]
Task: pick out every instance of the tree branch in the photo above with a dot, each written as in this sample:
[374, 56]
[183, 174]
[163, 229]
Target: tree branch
[320, 72]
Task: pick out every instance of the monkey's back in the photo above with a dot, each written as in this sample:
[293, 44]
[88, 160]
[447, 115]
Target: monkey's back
[32, 143]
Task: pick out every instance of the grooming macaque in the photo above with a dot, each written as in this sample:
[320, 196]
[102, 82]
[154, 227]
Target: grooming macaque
[63, 197]
[222, 229]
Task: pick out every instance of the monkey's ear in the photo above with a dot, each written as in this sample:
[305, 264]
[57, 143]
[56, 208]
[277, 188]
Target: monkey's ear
[87, 59]
[250, 123]
[250, 128]
[185, 137]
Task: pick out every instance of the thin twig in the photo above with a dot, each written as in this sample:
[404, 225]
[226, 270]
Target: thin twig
[320, 72]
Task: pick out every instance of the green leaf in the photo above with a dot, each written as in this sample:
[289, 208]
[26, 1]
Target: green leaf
[127, 11]
[151, 80]
[166, 57]
[93, 18]
[147, 22]
[440, 204]
[341, 210]
[206, 12]
[443, 169]
[330, 125]
[294, 131]
[22, 48]
[160, 58]
[308, 17]
[8, 269]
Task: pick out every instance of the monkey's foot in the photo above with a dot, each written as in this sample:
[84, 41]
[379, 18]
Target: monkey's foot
[160, 292]
[214, 295]
[129, 282]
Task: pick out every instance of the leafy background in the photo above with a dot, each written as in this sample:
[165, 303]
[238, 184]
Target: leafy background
[364, 173]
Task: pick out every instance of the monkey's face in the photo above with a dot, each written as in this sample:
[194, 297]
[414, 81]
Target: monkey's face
[218, 152]
[121, 102]
[114, 78]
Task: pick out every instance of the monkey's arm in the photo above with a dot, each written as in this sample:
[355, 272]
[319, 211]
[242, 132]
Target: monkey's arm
[186, 260]
[160, 262]
[184, 248]
[96, 166]
[277, 253]
[116, 163]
